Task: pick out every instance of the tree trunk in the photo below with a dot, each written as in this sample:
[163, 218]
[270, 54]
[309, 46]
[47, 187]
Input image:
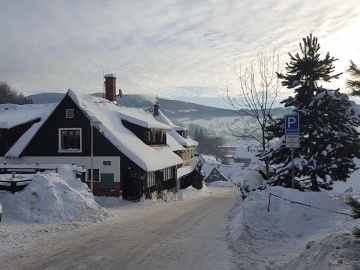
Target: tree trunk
[314, 183]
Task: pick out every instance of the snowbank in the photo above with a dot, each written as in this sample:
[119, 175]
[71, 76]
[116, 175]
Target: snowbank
[52, 198]
[268, 239]
[335, 251]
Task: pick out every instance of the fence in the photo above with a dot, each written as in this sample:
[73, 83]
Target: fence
[13, 185]
[303, 204]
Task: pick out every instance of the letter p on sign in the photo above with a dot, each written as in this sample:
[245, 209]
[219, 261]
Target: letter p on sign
[292, 124]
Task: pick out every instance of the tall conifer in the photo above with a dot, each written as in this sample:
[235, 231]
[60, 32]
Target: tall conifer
[328, 138]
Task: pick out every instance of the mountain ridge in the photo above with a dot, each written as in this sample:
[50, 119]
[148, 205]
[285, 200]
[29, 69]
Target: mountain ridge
[173, 109]
[193, 116]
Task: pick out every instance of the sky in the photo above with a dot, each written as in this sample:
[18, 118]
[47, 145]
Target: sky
[183, 50]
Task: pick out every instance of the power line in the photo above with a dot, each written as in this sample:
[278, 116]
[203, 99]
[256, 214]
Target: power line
[303, 204]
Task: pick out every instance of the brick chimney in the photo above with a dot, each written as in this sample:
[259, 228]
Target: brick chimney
[156, 108]
[110, 87]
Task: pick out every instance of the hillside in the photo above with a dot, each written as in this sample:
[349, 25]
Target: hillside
[193, 116]
[174, 109]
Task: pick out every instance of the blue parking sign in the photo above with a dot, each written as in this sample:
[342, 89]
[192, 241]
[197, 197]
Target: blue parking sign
[292, 124]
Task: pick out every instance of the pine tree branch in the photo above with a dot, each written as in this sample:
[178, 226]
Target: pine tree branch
[355, 206]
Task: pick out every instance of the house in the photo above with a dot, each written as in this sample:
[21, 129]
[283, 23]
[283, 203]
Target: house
[124, 150]
[181, 144]
[244, 154]
[214, 175]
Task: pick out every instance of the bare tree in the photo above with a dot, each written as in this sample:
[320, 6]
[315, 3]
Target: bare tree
[255, 99]
[10, 95]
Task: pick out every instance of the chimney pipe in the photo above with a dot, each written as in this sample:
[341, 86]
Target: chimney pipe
[156, 108]
[110, 87]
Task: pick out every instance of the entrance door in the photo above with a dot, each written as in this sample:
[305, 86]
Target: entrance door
[131, 186]
[107, 181]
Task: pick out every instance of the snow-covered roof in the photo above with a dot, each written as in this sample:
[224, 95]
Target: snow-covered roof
[173, 144]
[97, 107]
[110, 115]
[22, 142]
[20, 114]
[186, 142]
[12, 115]
[214, 171]
[185, 170]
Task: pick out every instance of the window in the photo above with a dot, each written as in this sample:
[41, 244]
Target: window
[161, 136]
[150, 179]
[183, 133]
[147, 136]
[153, 138]
[70, 140]
[70, 113]
[95, 176]
[106, 163]
[168, 174]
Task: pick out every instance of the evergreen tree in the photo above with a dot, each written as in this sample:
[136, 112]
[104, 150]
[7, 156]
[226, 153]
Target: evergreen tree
[328, 138]
[355, 208]
[354, 83]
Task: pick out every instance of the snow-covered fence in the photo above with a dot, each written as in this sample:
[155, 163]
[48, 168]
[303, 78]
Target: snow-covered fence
[80, 174]
[13, 184]
[26, 169]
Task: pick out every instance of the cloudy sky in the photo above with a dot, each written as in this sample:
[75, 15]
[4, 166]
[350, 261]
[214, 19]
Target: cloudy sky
[178, 49]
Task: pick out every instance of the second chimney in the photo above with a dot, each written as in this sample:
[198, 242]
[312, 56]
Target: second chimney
[110, 87]
[156, 109]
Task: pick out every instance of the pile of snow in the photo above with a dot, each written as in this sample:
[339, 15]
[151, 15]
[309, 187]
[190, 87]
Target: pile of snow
[53, 198]
[335, 251]
[252, 177]
[186, 194]
[269, 239]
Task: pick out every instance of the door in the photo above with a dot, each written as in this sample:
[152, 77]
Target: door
[131, 186]
[107, 181]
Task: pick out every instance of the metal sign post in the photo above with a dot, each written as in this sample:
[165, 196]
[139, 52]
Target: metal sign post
[292, 138]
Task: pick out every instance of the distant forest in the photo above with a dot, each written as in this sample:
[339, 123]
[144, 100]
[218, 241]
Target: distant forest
[10, 95]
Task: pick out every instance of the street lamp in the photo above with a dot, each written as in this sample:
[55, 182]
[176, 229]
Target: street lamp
[92, 124]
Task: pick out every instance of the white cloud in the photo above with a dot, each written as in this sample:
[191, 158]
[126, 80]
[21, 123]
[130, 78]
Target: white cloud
[160, 47]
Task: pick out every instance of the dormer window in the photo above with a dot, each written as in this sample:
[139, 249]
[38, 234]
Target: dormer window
[70, 113]
[154, 137]
[182, 133]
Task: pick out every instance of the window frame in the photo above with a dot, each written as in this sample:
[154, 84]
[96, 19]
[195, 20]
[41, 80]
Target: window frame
[60, 146]
[106, 162]
[70, 113]
[168, 174]
[150, 179]
[96, 176]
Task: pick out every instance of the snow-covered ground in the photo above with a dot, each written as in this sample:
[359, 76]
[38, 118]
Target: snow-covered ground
[270, 234]
[288, 236]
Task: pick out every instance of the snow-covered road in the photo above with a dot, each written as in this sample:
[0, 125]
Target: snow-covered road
[182, 235]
